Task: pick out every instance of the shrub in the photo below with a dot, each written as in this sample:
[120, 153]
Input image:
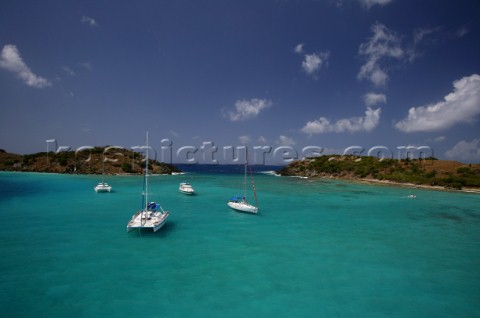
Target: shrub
[127, 168]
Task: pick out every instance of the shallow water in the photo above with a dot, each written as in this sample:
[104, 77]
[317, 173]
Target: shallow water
[316, 249]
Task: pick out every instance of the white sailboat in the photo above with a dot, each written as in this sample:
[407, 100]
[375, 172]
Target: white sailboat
[240, 203]
[186, 188]
[103, 186]
[151, 216]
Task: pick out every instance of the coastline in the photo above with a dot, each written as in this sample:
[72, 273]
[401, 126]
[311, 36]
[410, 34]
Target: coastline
[367, 181]
[393, 184]
[433, 174]
[418, 186]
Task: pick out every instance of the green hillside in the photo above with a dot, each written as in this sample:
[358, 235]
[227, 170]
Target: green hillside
[433, 172]
[83, 162]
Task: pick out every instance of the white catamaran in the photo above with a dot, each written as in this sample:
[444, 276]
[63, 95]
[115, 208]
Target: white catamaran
[240, 203]
[151, 216]
[103, 186]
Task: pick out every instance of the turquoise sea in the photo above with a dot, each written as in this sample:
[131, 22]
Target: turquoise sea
[317, 249]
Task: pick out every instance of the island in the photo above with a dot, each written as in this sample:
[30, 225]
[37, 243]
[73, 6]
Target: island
[428, 172]
[89, 161]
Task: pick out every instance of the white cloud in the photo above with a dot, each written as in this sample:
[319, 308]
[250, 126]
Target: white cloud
[299, 48]
[246, 109]
[262, 140]
[87, 65]
[174, 133]
[11, 60]
[68, 70]
[420, 34]
[372, 99]
[352, 124]
[460, 106]
[313, 62]
[439, 139]
[244, 139]
[461, 32]
[370, 3]
[285, 141]
[89, 21]
[383, 45]
[465, 151]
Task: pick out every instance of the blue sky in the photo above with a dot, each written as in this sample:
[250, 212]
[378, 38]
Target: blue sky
[331, 74]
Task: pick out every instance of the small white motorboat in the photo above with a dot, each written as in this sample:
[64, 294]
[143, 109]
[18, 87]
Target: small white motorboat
[186, 188]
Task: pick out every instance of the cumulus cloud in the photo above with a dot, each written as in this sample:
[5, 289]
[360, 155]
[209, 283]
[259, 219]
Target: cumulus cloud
[383, 45]
[247, 109]
[285, 141]
[352, 124]
[11, 60]
[313, 62]
[89, 21]
[465, 151]
[299, 48]
[372, 99]
[370, 3]
[460, 106]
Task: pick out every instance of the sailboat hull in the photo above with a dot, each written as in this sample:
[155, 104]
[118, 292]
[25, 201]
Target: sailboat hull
[148, 220]
[149, 217]
[243, 207]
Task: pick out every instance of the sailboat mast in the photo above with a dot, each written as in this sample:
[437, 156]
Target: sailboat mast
[146, 176]
[253, 187]
[245, 173]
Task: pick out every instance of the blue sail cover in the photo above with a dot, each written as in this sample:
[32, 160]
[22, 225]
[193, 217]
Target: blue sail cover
[153, 206]
[237, 198]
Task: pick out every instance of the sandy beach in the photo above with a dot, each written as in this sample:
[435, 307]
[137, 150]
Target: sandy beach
[415, 186]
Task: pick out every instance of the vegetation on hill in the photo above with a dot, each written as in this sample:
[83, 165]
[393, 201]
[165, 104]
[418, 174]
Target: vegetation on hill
[432, 172]
[83, 162]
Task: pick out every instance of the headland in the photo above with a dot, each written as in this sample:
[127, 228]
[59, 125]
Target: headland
[117, 161]
[421, 173]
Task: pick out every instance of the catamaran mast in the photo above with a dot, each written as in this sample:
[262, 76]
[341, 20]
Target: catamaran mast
[103, 168]
[146, 177]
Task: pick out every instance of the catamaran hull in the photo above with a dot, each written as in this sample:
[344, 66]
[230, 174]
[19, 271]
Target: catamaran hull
[107, 189]
[155, 223]
[149, 217]
[154, 228]
[243, 207]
